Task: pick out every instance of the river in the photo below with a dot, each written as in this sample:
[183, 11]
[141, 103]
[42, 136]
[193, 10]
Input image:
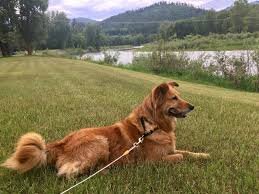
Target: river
[126, 57]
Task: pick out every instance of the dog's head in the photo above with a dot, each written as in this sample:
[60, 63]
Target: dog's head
[167, 102]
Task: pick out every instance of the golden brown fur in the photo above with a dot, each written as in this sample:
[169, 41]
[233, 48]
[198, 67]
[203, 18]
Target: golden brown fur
[80, 151]
[29, 153]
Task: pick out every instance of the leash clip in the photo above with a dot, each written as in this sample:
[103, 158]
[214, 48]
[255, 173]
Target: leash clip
[140, 140]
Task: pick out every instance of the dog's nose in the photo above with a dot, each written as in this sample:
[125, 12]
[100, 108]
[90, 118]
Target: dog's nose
[191, 107]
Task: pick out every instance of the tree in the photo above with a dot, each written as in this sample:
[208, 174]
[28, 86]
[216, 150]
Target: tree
[78, 39]
[223, 22]
[238, 12]
[32, 22]
[183, 28]
[166, 31]
[7, 25]
[210, 22]
[59, 30]
[255, 57]
[252, 19]
[93, 36]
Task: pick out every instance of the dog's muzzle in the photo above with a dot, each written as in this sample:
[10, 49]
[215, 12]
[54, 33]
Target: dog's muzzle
[179, 114]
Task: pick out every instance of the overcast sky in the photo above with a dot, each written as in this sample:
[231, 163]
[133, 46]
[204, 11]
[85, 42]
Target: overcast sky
[101, 9]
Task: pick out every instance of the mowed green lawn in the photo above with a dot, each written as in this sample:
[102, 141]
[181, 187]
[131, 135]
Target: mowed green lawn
[54, 96]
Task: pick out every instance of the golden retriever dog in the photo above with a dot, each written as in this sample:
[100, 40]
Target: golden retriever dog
[83, 150]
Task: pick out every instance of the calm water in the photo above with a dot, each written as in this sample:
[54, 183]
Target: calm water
[127, 56]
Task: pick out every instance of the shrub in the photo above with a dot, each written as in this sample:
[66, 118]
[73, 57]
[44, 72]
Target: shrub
[255, 56]
[110, 58]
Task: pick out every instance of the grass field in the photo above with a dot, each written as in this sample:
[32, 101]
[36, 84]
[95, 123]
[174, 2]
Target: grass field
[54, 96]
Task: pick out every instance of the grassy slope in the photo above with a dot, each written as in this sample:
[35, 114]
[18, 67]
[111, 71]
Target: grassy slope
[54, 96]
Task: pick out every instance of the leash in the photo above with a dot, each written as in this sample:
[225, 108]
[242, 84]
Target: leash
[135, 145]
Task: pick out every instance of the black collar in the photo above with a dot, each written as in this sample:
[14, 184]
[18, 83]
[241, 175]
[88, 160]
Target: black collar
[149, 132]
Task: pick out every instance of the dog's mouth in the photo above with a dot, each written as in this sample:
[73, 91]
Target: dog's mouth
[175, 113]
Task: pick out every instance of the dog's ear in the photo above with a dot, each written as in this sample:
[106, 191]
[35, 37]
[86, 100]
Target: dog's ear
[173, 84]
[159, 93]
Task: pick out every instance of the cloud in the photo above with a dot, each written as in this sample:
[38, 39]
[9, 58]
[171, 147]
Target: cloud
[100, 9]
[60, 8]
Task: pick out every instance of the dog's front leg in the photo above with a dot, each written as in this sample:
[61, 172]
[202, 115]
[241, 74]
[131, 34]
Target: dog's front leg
[193, 154]
[173, 158]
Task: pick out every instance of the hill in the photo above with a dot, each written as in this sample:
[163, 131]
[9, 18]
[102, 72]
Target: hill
[84, 20]
[147, 20]
[241, 17]
[55, 96]
[162, 11]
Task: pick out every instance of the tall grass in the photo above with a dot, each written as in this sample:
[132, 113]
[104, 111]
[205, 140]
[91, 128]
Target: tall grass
[231, 72]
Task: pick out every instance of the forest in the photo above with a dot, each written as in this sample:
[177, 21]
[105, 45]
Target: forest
[27, 25]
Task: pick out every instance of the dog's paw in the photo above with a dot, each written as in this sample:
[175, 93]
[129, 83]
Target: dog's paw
[202, 155]
[68, 170]
[178, 157]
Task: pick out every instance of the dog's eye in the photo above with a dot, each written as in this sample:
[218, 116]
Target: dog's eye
[175, 98]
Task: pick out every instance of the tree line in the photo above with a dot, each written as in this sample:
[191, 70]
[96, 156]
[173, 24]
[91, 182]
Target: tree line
[31, 27]
[26, 25]
[242, 17]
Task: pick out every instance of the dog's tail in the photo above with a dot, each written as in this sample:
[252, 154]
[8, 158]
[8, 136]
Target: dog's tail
[30, 152]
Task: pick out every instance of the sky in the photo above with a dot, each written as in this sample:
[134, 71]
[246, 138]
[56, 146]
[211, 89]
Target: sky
[101, 9]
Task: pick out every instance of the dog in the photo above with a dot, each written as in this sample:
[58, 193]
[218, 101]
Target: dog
[89, 148]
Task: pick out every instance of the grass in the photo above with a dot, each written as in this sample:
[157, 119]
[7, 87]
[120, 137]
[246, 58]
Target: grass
[54, 96]
[213, 42]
